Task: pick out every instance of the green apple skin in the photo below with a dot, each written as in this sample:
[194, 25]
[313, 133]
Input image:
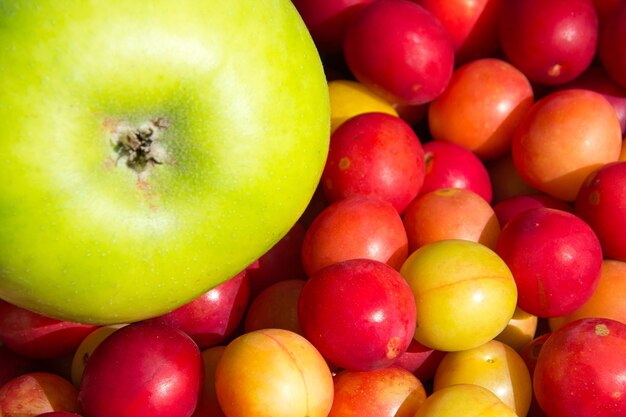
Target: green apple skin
[240, 85]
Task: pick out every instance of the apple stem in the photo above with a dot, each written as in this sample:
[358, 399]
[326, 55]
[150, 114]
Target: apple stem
[140, 147]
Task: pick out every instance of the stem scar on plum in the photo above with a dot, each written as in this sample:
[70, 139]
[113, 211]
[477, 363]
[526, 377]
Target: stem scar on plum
[140, 148]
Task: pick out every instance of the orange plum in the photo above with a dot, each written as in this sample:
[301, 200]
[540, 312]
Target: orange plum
[273, 373]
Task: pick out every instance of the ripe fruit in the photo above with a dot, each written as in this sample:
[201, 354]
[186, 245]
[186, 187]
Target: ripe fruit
[508, 208]
[340, 319]
[563, 138]
[36, 336]
[481, 107]
[596, 79]
[464, 399]
[273, 373]
[580, 370]
[13, 364]
[161, 161]
[327, 20]
[276, 307]
[34, 393]
[374, 154]
[606, 300]
[449, 165]
[472, 25]
[601, 204]
[86, 348]
[143, 369]
[553, 41]
[555, 259]
[612, 48]
[386, 392]
[434, 216]
[350, 98]
[213, 317]
[377, 56]
[520, 330]
[208, 405]
[283, 261]
[360, 314]
[464, 293]
[420, 360]
[494, 366]
[355, 227]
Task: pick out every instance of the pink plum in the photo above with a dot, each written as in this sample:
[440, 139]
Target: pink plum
[449, 165]
[555, 258]
[36, 336]
[13, 364]
[355, 227]
[420, 360]
[472, 25]
[601, 202]
[360, 314]
[552, 42]
[35, 393]
[281, 262]
[327, 20]
[612, 48]
[580, 370]
[511, 206]
[143, 369]
[374, 154]
[213, 317]
[411, 64]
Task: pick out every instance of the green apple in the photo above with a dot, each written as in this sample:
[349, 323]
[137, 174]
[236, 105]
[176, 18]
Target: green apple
[150, 149]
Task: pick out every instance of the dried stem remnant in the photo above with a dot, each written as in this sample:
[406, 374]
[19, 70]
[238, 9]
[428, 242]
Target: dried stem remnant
[140, 147]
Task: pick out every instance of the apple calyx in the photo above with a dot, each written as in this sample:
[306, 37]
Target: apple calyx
[140, 148]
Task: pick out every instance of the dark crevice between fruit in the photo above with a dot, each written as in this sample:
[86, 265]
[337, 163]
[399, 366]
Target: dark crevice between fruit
[140, 148]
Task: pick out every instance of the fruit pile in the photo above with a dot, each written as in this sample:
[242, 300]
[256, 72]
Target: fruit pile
[464, 252]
